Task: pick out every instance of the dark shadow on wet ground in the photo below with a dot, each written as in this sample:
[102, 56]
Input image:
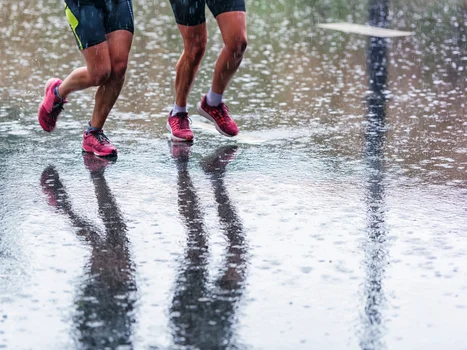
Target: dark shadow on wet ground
[204, 312]
[106, 296]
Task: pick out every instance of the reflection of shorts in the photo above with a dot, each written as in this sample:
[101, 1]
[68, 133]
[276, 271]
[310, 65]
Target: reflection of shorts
[191, 12]
[91, 20]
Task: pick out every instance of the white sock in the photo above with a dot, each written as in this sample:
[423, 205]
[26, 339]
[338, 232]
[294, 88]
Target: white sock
[213, 99]
[178, 109]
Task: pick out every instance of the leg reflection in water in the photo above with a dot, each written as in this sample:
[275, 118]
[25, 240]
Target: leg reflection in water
[203, 311]
[105, 301]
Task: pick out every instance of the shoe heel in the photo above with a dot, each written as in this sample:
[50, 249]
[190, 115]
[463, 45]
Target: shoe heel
[47, 84]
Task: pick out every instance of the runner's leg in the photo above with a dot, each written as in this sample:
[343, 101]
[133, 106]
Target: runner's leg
[119, 28]
[191, 21]
[190, 18]
[194, 46]
[96, 72]
[233, 28]
[231, 18]
[119, 44]
[87, 24]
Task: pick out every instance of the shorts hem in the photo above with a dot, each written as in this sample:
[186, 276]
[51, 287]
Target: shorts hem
[190, 24]
[234, 9]
[131, 30]
[94, 43]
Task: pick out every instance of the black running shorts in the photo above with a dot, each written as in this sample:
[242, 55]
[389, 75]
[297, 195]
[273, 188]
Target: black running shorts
[191, 12]
[92, 20]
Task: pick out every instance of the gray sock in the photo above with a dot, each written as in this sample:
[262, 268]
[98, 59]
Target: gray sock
[178, 109]
[57, 94]
[91, 128]
[213, 99]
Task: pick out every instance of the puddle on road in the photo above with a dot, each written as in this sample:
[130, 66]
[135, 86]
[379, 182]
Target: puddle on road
[339, 208]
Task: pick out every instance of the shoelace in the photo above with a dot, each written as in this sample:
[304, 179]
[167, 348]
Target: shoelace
[101, 137]
[56, 109]
[183, 121]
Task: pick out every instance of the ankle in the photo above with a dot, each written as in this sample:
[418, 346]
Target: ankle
[213, 99]
[57, 94]
[91, 128]
[179, 109]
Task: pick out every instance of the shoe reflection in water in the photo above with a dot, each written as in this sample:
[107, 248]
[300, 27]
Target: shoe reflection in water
[107, 293]
[203, 311]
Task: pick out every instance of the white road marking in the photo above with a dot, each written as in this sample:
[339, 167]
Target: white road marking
[364, 30]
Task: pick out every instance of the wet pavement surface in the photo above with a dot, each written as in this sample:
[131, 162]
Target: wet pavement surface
[336, 220]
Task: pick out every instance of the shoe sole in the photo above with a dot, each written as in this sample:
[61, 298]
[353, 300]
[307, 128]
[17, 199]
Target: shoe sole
[175, 138]
[206, 115]
[111, 154]
[39, 110]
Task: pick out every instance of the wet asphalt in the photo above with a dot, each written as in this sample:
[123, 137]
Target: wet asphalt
[335, 220]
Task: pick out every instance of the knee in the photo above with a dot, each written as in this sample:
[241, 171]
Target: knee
[119, 69]
[196, 49]
[100, 75]
[237, 47]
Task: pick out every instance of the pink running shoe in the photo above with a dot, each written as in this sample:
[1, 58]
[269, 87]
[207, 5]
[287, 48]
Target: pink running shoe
[96, 142]
[219, 116]
[179, 127]
[51, 106]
